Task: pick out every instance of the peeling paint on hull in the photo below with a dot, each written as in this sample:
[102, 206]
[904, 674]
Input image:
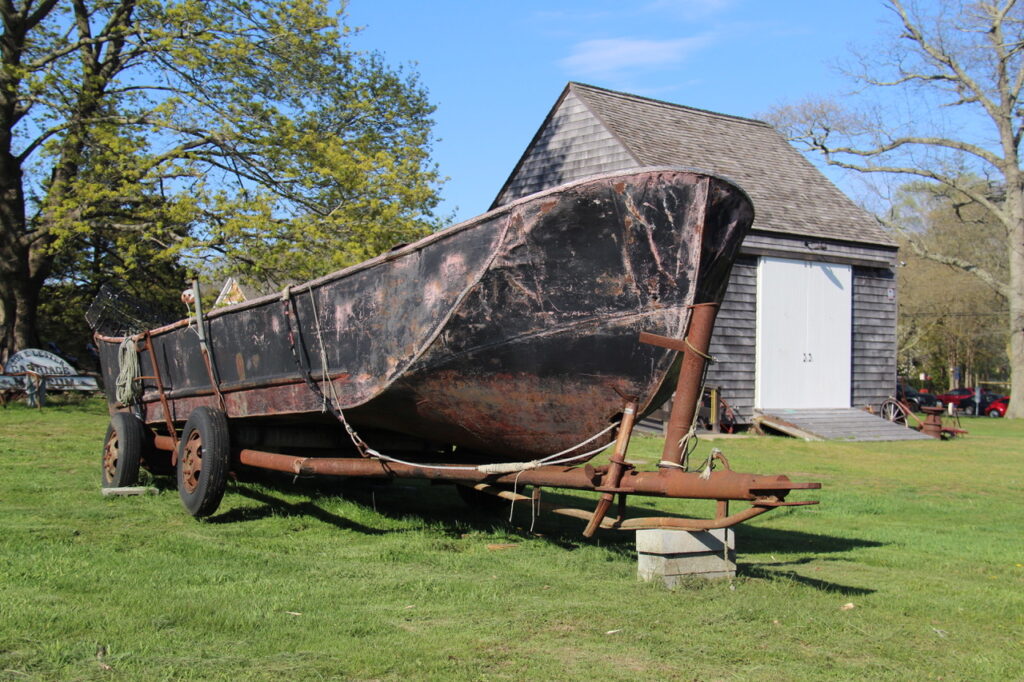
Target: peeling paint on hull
[513, 335]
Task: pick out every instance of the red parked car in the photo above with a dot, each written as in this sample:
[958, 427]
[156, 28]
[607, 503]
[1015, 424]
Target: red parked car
[997, 408]
[956, 396]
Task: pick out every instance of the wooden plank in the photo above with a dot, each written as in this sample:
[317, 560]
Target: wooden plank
[837, 424]
[127, 491]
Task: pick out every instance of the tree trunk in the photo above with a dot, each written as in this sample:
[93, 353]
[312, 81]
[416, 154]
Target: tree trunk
[26, 300]
[1015, 347]
[7, 316]
[14, 253]
[19, 300]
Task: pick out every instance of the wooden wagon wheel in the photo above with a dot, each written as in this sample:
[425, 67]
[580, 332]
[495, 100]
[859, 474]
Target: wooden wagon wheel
[893, 411]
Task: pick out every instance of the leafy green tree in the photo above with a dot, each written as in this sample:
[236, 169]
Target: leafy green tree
[940, 101]
[250, 135]
[947, 317]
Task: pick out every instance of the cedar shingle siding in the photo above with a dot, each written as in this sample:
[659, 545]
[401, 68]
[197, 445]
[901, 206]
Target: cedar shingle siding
[800, 214]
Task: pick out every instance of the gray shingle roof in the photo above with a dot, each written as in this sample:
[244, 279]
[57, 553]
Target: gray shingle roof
[790, 195]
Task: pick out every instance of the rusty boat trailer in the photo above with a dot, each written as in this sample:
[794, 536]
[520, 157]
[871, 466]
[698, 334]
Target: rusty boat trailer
[617, 478]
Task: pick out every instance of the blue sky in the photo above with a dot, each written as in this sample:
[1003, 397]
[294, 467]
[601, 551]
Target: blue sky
[494, 69]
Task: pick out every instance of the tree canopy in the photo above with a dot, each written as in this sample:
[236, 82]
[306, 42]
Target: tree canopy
[245, 136]
[941, 102]
[947, 317]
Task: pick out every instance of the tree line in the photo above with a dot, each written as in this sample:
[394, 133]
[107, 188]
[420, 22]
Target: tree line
[143, 141]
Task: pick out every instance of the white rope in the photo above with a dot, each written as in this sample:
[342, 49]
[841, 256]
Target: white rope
[500, 468]
[127, 389]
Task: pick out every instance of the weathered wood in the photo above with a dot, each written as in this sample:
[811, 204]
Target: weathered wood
[836, 424]
[874, 336]
[127, 491]
[733, 343]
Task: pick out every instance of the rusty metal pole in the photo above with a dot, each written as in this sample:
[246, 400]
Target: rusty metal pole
[721, 485]
[616, 468]
[695, 357]
[148, 347]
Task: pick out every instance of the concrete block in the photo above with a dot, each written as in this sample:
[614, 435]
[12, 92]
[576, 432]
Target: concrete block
[684, 542]
[671, 555]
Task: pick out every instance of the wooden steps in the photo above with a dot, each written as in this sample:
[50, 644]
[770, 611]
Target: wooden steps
[850, 424]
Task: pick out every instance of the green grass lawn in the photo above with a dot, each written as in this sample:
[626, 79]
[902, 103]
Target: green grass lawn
[291, 581]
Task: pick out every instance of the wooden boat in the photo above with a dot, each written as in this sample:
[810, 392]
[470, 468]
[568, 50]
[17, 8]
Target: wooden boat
[504, 350]
[511, 335]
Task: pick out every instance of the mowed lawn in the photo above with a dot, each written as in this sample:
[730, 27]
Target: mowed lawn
[912, 568]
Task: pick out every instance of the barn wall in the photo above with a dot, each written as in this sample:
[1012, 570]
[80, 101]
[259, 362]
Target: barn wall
[874, 336]
[732, 344]
[571, 146]
[873, 371]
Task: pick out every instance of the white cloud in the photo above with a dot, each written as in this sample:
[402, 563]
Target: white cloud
[614, 55]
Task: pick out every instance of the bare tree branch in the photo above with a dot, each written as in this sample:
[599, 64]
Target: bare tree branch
[920, 247]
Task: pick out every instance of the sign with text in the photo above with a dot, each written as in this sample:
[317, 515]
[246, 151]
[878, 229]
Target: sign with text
[59, 374]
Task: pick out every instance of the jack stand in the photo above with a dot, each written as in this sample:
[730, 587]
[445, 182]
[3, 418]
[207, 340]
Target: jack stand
[615, 471]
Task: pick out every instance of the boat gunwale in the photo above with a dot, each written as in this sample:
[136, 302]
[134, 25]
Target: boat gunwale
[282, 379]
[420, 244]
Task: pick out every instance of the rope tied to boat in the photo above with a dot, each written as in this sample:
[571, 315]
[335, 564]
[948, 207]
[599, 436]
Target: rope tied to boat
[509, 467]
[501, 468]
[127, 388]
[707, 356]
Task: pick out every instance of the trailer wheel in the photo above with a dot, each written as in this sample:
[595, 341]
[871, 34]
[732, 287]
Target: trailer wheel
[122, 450]
[203, 461]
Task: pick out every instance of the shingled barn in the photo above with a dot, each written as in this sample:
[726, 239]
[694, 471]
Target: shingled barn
[809, 320]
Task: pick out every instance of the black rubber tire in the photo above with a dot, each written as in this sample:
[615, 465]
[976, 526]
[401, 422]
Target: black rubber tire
[994, 413]
[969, 410]
[122, 451]
[204, 458]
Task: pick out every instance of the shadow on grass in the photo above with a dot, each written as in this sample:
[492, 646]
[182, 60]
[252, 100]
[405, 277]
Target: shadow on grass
[757, 539]
[275, 506]
[762, 573]
[440, 507]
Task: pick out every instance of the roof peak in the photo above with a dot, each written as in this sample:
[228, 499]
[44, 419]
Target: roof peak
[572, 85]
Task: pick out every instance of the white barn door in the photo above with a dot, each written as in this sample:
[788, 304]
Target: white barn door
[804, 314]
